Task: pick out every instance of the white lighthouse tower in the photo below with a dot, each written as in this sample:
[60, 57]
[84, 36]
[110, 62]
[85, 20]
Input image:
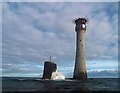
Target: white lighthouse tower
[80, 60]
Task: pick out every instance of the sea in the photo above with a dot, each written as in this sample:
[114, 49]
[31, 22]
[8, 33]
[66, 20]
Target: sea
[36, 84]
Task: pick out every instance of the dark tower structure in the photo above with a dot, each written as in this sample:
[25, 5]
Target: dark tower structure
[49, 67]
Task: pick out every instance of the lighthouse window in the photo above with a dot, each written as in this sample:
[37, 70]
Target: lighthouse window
[83, 25]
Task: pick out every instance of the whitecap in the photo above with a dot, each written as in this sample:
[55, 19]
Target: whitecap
[57, 76]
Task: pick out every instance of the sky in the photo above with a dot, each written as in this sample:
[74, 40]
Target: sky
[34, 31]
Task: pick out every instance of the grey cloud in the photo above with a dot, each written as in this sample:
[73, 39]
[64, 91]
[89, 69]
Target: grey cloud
[103, 74]
[34, 31]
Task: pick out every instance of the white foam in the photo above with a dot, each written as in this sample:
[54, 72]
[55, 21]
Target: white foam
[57, 76]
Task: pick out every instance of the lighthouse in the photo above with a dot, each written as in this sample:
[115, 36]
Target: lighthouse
[80, 59]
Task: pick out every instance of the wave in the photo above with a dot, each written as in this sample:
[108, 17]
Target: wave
[57, 76]
[22, 79]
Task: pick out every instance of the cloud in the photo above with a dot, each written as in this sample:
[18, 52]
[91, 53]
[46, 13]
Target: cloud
[94, 72]
[103, 74]
[34, 31]
[59, 1]
[95, 69]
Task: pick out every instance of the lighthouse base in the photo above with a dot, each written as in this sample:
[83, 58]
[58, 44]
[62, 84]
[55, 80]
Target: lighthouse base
[81, 76]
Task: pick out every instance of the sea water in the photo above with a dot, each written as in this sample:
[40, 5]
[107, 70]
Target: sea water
[38, 84]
